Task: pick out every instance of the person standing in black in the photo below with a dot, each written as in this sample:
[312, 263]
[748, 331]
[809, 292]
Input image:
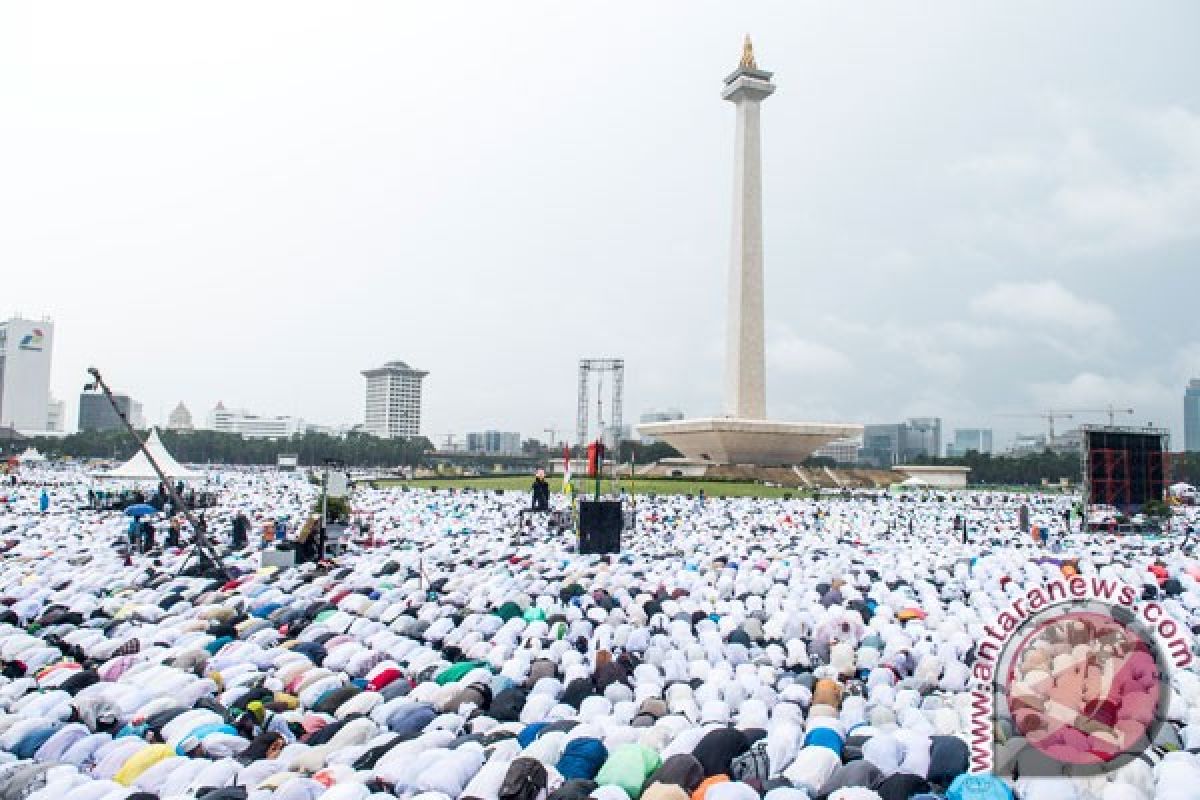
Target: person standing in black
[541, 492]
[174, 531]
[241, 527]
[147, 534]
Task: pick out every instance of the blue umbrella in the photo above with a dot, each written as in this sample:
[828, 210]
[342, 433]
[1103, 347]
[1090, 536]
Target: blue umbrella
[140, 510]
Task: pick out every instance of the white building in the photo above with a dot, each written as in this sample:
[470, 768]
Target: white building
[180, 419]
[502, 443]
[25, 349]
[137, 415]
[843, 451]
[1028, 443]
[56, 415]
[339, 431]
[253, 426]
[393, 401]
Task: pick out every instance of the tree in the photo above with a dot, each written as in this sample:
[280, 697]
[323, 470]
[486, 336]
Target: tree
[1156, 508]
[641, 453]
[212, 447]
[1027, 470]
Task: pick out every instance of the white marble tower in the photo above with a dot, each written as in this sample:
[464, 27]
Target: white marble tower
[744, 435]
[745, 367]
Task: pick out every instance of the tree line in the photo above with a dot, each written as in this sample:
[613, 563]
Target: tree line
[213, 447]
[364, 450]
[1033, 468]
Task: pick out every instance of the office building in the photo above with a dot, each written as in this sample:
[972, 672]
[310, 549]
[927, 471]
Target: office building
[393, 401]
[1028, 444]
[499, 443]
[338, 431]
[1068, 442]
[180, 419]
[881, 445]
[922, 439]
[96, 413]
[843, 451]
[901, 443]
[253, 426]
[56, 415]
[1191, 416]
[25, 349]
[967, 440]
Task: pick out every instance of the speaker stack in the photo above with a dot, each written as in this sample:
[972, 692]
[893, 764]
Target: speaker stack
[600, 524]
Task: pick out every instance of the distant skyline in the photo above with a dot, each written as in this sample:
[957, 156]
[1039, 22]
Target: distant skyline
[968, 210]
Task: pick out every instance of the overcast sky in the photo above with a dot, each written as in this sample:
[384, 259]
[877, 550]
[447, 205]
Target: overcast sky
[968, 208]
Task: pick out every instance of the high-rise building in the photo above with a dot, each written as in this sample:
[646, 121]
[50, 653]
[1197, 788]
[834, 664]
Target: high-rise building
[56, 415]
[501, 443]
[881, 445]
[922, 439]
[1025, 444]
[843, 451]
[968, 439]
[901, 443]
[180, 419]
[393, 402]
[253, 426]
[137, 416]
[96, 413]
[1067, 442]
[25, 349]
[1191, 416]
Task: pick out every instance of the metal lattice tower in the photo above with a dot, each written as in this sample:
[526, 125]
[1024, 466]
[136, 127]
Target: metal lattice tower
[587, 366]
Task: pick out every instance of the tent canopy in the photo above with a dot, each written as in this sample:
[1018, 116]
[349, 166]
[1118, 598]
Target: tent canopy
[139, 468]
[31, 455]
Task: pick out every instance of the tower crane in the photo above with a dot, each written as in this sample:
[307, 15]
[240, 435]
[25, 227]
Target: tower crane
[1049, 416]
[1110, 410]
[1052, 414]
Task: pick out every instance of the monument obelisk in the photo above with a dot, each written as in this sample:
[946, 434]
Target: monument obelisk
[745, 362]
[744, 435]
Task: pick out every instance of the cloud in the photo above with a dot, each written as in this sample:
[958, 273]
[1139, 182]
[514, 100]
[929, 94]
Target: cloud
[792, 354]
[1185, 364]
[1042, 303]
[1114, 181]
[1147, 395]
[999, 167]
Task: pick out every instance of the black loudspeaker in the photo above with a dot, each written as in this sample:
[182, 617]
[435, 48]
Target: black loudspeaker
[600, 523]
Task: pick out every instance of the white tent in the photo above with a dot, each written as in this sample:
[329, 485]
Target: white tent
[139, 468]
[909, 484]
[31, 456]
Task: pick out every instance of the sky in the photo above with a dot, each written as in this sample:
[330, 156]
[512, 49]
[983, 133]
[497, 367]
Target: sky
[969, 209]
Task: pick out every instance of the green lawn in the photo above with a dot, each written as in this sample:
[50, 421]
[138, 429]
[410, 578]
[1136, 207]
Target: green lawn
[521, 483]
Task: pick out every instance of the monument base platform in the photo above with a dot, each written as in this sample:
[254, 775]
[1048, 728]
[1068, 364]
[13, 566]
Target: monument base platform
[755, 442]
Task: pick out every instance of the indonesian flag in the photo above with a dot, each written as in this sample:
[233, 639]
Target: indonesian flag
[566, 487]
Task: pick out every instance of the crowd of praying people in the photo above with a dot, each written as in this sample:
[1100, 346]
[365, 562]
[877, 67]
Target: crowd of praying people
[737, 648]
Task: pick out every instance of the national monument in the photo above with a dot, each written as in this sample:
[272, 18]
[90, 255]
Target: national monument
[745, 435]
